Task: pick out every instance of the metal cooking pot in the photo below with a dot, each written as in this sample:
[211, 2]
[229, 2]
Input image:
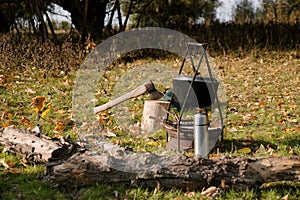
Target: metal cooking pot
[201, 95]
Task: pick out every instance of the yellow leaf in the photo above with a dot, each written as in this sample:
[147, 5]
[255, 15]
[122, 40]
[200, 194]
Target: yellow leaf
[214, 155]
[291, 130]
[59, 126]
[189, 154]
[46, 111]
[152, 143]
[38, 103]
[244, 150]
[292, 106]
[9, 115]
[5, 124]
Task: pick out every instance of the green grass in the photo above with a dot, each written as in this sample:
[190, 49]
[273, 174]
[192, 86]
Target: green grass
[263, 115]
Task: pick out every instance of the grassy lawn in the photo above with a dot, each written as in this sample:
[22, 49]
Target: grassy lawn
[262, 116]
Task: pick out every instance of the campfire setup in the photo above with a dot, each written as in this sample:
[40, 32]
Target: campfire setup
[193, 96]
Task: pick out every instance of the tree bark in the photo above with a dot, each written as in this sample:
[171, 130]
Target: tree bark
[114, 165]
[176, 171]
[43, 27]
[119, 15]
[154, 113]
[33, 147]
[93, 11]
[142, 13]
[110, 21]
[127, 15]
[51, 27]
[29, 8]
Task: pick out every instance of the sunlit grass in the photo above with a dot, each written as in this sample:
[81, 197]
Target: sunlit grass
[263, 114]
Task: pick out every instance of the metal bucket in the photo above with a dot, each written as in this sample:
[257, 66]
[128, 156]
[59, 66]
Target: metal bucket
[202, 93]
[186, 136]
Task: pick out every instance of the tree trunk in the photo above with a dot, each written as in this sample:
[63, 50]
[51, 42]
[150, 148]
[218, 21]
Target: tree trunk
[43, 27]
[51, 27]
[119, 15]
[95, 16]
[127, 15]
[30, 9]
[114, 165]
[176, 171]
[83, 29]
[110, 21]
[142, 13]
[34, 148]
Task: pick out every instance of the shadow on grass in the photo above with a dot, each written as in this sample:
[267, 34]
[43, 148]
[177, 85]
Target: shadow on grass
[26, 186]
[233, 145]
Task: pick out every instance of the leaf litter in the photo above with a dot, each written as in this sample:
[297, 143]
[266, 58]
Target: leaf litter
[263, 97]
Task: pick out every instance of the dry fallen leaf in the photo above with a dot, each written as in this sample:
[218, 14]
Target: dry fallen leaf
[292, 106]
[261, 149]
[245, 150]
[38, 103]
[189, 154]
[270, 151]
[152, 143]
[60, 112]
[209, 192]
[11, 164]
[291, 151]
[29, 90]
[46, 111]
[4, 164]
[223, 184]
[25, 120]
[190, 194]
[15, 171]
[286, 197]
[59, 127]
[5, 124]
[109, 134]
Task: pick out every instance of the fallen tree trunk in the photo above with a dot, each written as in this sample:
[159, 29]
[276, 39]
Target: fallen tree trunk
[111, 164]
[175, 171]
[34, 147]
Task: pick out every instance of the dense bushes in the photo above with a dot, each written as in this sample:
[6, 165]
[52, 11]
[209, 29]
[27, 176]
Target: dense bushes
[233, 36]
[18, 52]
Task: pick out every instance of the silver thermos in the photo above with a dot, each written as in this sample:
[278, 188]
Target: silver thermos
[201, 137]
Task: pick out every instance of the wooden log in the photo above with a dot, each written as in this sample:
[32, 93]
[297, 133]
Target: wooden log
[176, 171]
[34, 147]
[114, 165]
[153, 114]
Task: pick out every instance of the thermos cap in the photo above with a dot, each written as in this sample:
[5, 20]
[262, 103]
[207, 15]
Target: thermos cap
[200, 119]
